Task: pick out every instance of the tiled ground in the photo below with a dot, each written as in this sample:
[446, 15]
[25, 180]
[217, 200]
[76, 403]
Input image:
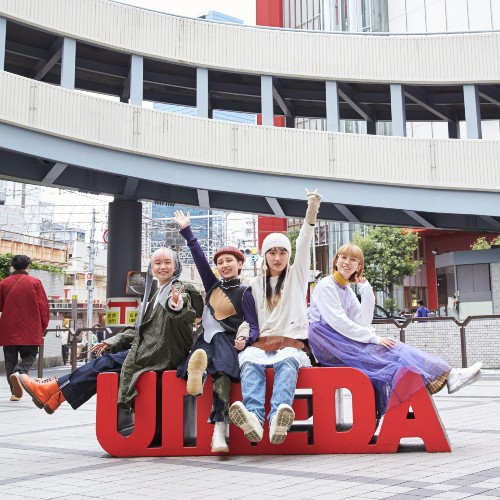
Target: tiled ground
[57, 456]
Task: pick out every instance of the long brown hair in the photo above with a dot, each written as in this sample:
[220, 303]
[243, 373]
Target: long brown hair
[274, 296]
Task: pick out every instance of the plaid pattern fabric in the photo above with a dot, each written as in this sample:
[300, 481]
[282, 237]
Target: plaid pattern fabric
[435, 385]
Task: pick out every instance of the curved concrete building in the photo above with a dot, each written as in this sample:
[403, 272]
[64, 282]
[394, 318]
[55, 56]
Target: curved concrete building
[54, 134]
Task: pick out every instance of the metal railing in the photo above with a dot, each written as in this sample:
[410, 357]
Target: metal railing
[75, 335]
[73, 339]
[402, 325]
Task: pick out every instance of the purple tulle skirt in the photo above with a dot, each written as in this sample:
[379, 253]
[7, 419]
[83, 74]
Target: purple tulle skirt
[384, 367]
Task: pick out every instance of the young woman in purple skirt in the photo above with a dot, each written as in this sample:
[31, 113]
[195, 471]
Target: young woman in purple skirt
[340, 334]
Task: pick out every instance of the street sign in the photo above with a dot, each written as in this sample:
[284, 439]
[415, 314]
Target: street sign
[122, 311]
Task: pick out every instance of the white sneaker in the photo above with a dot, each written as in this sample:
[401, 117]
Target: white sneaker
[460, 377]
[219, 444]
[246, 421]
[196, 367]
[281, 423]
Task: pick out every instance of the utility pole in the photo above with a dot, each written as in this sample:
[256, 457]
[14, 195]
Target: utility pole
[90, 286]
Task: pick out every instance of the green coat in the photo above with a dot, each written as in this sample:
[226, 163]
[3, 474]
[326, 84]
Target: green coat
[162, 341]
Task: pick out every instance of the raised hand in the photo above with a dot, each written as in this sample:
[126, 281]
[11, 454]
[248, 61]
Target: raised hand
[313, 202]
[181, 219]
[313, 195]
[176, 296]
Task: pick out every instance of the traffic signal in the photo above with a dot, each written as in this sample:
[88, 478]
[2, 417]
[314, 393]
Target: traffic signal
[253, 251]
[89, 279]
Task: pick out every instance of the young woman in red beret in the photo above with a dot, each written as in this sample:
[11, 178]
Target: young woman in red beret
[214, 351]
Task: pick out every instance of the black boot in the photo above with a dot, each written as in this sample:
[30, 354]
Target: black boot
[125, 421]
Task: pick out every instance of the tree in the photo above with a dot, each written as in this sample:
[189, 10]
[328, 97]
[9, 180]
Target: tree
[292, 235]
[482, 243]
[389, 256]
[5, 260]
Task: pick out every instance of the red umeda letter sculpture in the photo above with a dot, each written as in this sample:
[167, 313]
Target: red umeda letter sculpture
[178, 420]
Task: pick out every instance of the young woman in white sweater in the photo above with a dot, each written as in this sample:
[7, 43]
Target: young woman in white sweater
[341, 335]
[278, 333]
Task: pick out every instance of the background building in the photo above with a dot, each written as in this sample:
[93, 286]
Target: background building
[396, 16]
[208, 225]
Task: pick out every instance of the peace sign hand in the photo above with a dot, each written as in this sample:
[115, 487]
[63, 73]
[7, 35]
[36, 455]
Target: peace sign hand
[176, 297]
[313, 195]
[313, 202]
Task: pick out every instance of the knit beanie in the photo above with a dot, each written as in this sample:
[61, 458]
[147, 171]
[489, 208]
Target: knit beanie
[231, 251]
[276, 240]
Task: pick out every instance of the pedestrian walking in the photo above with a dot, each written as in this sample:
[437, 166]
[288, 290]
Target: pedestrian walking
[25, 316]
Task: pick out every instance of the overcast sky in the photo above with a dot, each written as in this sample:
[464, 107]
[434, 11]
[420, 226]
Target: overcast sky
[242, 9]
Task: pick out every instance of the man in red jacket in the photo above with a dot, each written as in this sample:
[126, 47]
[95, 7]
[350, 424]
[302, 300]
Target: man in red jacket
[25, 315]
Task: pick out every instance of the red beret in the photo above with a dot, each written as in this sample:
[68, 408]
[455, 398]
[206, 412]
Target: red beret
[231, 251]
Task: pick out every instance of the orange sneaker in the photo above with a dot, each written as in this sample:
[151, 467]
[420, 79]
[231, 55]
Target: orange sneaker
[40, 391]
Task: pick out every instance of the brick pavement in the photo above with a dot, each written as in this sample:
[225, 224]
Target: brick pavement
[58, 457]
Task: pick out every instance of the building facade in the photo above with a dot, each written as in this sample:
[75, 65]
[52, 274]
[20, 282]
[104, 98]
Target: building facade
[395, 16]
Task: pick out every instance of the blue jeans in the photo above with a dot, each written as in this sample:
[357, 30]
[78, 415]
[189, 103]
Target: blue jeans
[253, 386]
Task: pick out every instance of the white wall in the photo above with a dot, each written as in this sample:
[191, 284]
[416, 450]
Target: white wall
[442, 338]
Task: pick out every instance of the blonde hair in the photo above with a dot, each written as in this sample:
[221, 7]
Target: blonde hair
[354, 251]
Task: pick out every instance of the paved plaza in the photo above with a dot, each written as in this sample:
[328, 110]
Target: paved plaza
[57, 456]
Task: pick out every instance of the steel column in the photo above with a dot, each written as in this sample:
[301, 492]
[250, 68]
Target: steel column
[125, 229]
[267, 100]
[3, 36]
[68, 63]
[136, 80]
[202, 94]
[472, 112]
[398, 111]
[332, 106]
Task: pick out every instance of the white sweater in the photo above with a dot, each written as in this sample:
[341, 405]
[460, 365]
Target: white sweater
[339, 308]
[289, 317]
